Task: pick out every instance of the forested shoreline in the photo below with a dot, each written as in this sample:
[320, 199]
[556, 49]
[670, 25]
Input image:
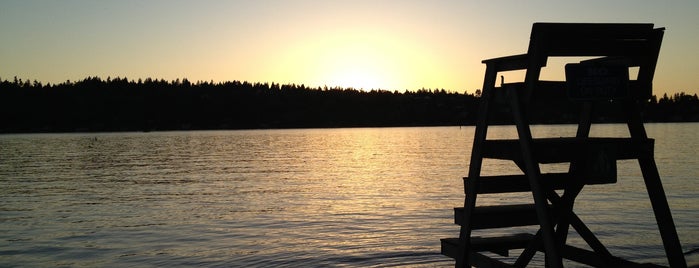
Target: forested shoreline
[118, 104]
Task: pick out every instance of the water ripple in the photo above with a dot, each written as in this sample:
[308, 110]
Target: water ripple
[283, 198]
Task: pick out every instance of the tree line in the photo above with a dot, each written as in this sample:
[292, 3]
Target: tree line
[119, 104]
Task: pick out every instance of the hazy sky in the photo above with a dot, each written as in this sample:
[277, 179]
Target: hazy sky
[392, 45]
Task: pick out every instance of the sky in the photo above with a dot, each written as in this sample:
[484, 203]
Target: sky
[376, 44]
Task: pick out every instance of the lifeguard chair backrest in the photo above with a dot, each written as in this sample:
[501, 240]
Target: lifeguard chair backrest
[631, 44]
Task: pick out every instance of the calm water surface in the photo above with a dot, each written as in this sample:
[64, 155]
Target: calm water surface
[378, 197]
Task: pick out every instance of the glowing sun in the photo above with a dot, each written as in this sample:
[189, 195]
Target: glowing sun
[357, 66]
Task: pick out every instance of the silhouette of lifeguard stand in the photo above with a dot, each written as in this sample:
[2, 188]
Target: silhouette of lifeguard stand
[611, 49]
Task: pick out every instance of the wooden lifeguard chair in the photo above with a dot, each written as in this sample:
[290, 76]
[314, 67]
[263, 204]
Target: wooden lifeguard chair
[611, 49]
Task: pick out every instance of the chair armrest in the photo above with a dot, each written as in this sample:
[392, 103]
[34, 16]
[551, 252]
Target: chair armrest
[509, 63]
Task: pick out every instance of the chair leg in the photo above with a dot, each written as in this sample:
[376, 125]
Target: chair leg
[656, 193]
[553, 257]
[470, 188]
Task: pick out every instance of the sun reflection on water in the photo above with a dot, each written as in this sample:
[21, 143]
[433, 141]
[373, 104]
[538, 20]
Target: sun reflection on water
[316, 197]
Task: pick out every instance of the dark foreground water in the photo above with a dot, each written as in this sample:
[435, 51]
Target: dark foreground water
[378, 197]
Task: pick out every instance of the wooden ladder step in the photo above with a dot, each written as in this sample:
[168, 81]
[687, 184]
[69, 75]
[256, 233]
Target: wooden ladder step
[519, 183]
[562, 150]
[500, 216]
[450, 246]
[593, 259]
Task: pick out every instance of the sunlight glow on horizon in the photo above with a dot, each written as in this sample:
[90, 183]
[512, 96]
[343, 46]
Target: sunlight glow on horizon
[359, 58]
[362, 44]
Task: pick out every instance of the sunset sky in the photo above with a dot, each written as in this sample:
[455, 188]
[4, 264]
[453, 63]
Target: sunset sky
[393, 45]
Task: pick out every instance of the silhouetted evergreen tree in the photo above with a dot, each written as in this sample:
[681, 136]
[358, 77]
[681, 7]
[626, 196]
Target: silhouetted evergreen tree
[117, 104]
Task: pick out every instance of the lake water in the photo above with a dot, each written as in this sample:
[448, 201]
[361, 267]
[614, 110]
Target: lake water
[365, 197]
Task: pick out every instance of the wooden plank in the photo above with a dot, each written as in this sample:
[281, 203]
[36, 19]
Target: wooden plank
[501, 216]
[513, 241]
[590, 39]
[593, 259]
[520, 183]
[509, 63]
[593, 48]
[450, 247]
[588, 30]
[480, 260]
[562, 150]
